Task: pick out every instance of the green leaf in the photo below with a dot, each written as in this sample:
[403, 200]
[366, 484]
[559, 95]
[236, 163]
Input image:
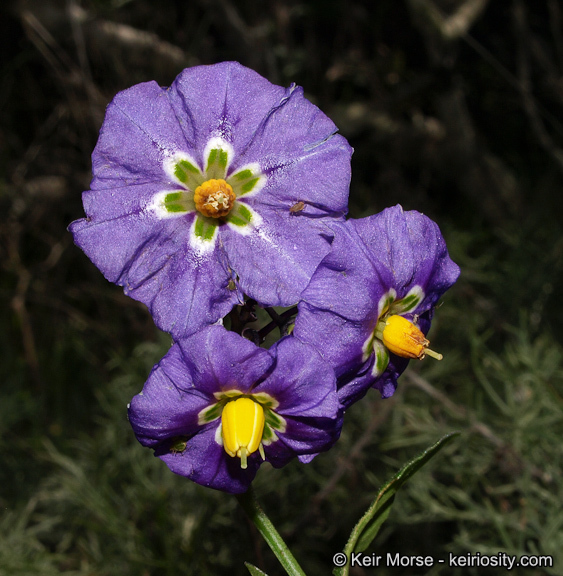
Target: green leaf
[253, 570]
[367, 528]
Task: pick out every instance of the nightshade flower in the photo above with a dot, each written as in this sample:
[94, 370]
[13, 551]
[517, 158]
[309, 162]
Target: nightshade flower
[194, 189]
[374, 295]
[217, 405]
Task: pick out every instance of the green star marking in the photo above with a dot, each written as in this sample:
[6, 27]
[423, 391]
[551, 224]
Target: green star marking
[188, 174]
[240, 215]
[217, 163]
[205, 228]
[244, 181]
[181, 201]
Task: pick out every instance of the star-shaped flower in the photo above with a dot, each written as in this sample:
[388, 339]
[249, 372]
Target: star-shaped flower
[374, 294]
[194, 194]
[217, 405]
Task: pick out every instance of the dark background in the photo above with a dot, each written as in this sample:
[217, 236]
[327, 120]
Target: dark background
[454, 109]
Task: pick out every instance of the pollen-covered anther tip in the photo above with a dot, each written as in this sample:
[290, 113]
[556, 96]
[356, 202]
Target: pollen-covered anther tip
[242, 427]
[403, 338]
[214, 198]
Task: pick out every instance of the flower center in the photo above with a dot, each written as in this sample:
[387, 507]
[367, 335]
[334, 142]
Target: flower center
[242, 428]
[403, 338]
[214, 198]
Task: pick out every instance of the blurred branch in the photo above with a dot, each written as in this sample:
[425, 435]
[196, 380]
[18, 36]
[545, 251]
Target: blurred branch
[52, 51]
[525, 85]
[455, 25]
[555, 24]
[421, 383]
[111, 35]
[20, 308]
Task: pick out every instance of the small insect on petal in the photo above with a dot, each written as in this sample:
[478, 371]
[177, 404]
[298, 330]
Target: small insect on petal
[178, 445]
[297, 207]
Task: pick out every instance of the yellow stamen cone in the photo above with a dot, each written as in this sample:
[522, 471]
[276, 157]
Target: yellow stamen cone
[242, 427]
[214, 198]
[403, 338]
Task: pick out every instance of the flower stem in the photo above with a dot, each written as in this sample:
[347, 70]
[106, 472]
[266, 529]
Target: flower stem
[278, 321]
[269, 533]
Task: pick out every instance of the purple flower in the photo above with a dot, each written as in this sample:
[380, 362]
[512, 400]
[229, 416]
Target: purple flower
[381, 270]
[195, 188]
[283, 400]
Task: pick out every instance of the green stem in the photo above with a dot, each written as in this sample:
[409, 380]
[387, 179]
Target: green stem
[270, 534]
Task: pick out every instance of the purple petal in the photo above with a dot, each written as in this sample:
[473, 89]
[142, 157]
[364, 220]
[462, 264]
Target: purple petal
[343, 349]
[355, 385]
[293, 130]
[154, 263]
[302, 383]
[305, 388]
[318, 176]
[341, 300]
[276, 260]
[169, 404]
[411, 246]
[346, 282]
[226, 100]
[219, 360]
[206, 462]
[139, 132]
[302, 438]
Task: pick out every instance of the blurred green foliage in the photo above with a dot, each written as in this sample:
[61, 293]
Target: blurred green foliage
[463, 129]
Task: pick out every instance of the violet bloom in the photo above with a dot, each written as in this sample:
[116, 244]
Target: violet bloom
[194, 189]
[371, 300]
[217, 405]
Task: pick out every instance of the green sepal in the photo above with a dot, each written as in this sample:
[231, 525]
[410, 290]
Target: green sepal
[205, 228]
[253, 570]
[240, 215]
[188, 174]
[367, 528]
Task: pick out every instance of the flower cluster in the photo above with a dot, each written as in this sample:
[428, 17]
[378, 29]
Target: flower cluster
[223, 193]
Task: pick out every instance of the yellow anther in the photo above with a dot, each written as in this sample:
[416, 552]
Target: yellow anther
[403, 338]
[242, 427]
[214, 198]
